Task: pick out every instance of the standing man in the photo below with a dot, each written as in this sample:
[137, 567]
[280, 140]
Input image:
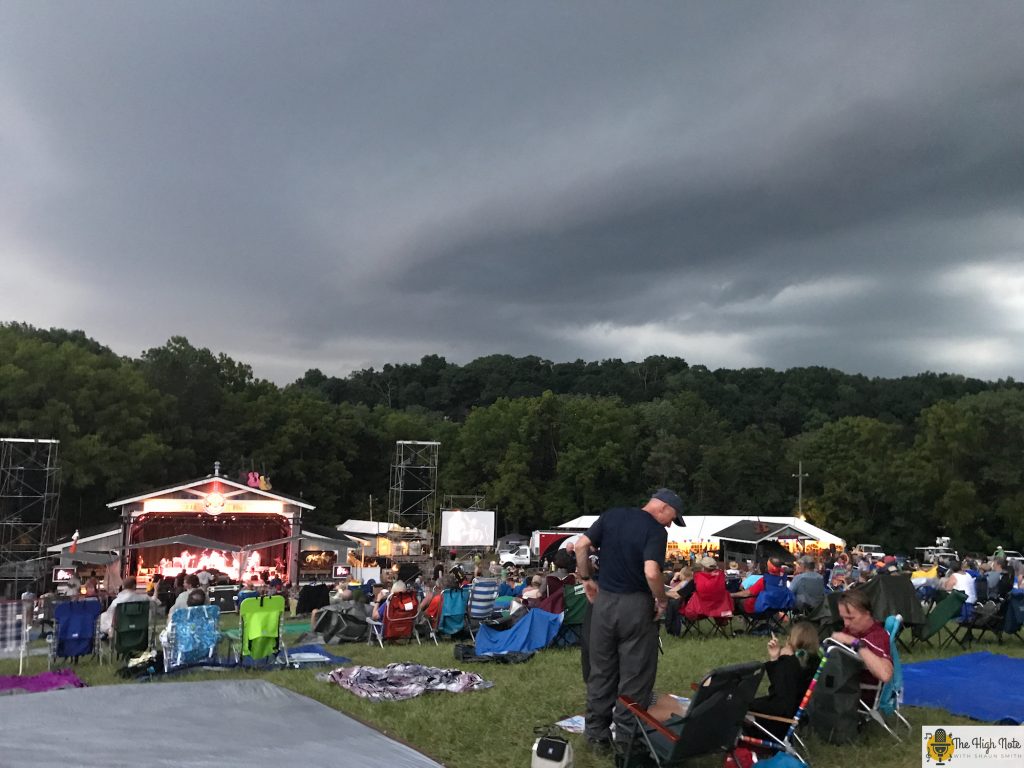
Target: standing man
[628, 604]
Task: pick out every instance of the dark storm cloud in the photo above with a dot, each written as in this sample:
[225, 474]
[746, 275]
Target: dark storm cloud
[339, 185]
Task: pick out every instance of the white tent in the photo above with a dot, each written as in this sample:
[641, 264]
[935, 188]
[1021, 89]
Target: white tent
[700, 529]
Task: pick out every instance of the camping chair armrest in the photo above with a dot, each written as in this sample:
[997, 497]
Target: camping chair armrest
[776, 718]
[834, 645]
[642, 714]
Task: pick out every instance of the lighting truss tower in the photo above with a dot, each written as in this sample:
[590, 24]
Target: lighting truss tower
[465, 501]
[29, 491]
[412, 499]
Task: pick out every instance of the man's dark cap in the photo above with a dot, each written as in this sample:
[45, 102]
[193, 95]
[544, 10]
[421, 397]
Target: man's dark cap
[671, 498]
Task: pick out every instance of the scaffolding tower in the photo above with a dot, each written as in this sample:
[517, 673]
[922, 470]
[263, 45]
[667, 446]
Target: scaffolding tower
[412, 499]
[29, 492]
[464, 501]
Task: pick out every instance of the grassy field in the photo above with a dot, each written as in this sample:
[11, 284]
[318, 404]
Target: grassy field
[495, 727]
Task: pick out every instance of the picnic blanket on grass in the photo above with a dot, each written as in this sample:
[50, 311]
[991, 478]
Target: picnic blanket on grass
[44, 681]
[400, 681]
[974, 685]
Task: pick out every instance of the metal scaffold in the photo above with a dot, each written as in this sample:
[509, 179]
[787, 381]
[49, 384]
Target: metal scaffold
[412, 498]
[29, 492]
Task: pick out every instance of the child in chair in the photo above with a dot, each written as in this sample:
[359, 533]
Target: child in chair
[790, 668]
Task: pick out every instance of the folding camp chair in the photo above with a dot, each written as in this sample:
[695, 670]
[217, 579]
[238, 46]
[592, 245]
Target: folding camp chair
[480, 607]
[400, 611]
[983, 617]
[423, 623]
[131, 631]
[191, 637]
[14, 629]
[75, 631]
[769, 740]
[1014, 619]
[877, 702]
[260, 628]
[943, 611]
[571, 631]
[712, 723]
[453, 611]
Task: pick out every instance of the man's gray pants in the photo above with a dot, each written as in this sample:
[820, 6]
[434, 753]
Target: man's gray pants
[623, 660]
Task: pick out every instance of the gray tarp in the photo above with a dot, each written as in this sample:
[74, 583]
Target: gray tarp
[208, 724]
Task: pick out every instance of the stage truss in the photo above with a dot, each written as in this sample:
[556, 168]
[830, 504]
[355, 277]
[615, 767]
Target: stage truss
[29, 492]
[412, 498]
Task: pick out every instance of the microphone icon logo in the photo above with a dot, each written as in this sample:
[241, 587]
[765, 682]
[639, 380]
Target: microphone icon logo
[940, 746]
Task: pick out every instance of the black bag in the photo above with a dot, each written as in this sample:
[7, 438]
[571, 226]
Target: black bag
[673, 619]
[833, 707]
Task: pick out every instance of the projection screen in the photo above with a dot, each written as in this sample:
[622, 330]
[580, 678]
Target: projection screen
[467, 528]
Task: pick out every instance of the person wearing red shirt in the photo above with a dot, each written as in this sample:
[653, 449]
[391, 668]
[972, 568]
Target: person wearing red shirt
[865, 635]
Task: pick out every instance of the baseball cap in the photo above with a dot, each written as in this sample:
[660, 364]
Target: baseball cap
[709, 563]
[671, 498]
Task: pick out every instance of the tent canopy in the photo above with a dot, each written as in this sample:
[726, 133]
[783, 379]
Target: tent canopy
[699, 528]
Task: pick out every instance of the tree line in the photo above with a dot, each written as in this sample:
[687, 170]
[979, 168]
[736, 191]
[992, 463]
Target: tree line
[899, 460]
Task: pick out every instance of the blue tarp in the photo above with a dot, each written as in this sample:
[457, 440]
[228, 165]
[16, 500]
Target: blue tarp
[984, 686]
[531, 633]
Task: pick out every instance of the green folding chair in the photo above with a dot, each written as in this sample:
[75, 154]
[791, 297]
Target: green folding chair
[571, 631]
[945, 610]
[260, 628]
[131, 630]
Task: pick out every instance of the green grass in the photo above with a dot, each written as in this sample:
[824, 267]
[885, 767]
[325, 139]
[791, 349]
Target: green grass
[495, 727]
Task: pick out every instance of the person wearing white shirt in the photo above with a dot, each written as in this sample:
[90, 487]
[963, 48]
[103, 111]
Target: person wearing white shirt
[126, 595]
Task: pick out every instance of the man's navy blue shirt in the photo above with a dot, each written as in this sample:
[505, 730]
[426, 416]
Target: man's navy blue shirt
[627, 536]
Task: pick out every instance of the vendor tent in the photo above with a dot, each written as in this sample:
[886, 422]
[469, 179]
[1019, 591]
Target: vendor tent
[701, 530]
[97, 729]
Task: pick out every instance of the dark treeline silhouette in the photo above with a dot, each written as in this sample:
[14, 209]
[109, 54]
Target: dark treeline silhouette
[895, 460]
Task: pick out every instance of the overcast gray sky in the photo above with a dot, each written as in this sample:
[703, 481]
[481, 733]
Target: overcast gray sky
[339, 185]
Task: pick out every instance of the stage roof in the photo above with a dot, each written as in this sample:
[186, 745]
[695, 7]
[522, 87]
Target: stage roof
[210, 479]
[754, 532]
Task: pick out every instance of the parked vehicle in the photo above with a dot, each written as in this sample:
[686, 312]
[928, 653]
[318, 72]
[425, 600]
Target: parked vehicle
[1012, 556]
[941, 555]
[874, 551]
[544, 544]
[518, 556]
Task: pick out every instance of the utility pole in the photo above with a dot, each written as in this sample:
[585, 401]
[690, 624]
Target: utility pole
[800, 489]
[371, 507]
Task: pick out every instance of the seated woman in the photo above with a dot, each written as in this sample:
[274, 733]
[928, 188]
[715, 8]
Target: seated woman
[533, 591]
[382, 607]
[430, 605]
[840, 573]
[865, 635]
[790, 668]
[710, 597]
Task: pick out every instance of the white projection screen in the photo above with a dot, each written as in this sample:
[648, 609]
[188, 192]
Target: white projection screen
[467, 528]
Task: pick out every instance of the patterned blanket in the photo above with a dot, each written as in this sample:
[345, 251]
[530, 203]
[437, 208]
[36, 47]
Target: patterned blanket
[400, 681]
